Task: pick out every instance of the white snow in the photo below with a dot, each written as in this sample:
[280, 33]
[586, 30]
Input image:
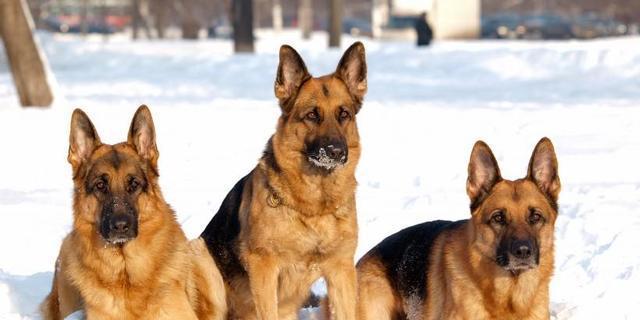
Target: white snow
[214, 111]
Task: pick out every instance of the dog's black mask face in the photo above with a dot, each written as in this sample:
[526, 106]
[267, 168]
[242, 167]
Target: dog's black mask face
[318, 120]
[111, 181]
[116, 182]
[514, 220]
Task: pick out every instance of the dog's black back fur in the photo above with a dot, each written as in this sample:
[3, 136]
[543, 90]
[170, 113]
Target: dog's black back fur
[405, 256]
[222, 232]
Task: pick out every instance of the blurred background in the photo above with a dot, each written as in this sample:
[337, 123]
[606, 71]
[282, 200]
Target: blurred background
[200, 19]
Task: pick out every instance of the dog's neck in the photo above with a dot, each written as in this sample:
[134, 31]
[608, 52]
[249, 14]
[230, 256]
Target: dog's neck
[302, 187]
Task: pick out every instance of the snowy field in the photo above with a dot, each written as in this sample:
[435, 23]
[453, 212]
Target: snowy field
[214, 111]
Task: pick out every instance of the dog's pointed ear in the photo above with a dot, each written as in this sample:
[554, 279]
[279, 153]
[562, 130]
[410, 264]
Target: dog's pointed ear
[291, 73]
[352, 69]
[543, 169]
[83, 139]
[142, 135]
[484, 173]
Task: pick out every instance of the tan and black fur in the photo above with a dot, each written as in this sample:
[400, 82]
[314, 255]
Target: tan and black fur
[496, 265]
[292, 219]
[127, 257]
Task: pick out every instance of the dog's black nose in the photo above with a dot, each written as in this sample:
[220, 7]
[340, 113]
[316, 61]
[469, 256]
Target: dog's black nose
[120, 224]
[335, 152]
[522, 249]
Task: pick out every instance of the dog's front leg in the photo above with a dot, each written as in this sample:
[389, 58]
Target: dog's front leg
[341, 285]
[263, 279]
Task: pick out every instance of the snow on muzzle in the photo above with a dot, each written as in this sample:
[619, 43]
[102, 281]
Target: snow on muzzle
[327, 156]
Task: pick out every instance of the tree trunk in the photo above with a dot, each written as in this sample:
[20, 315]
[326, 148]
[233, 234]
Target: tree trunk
[242, 25]
[160, 12]
[379, 17]
[84, 16]
[190, 24]
[335, 22]
[305, 18]
[139, 14]
[277, 15]
[27, 66]
[136, 19]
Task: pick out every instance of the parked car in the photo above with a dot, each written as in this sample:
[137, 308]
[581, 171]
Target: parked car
[547, 26]
[71, 24]
[590, 26]
[65, 16]
[502, 26]
[536, 26]
[357, 27]
[402, 22]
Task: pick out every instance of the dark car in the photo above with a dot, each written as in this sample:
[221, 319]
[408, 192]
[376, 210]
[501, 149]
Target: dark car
[591, 25]
[357, 27]
[401, 22]
[54, 24]
[93, 27]
[547, 26]
[65, 24]
[502, 26]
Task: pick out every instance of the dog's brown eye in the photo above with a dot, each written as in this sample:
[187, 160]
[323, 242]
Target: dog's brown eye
[133, 185]
[344, 115]
[313, 116]
[498, 217]
[101, 186]
[535, 218]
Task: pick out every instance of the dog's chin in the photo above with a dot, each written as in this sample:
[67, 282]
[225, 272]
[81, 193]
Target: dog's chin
[325, 163]
[517, 268]
[118, 241]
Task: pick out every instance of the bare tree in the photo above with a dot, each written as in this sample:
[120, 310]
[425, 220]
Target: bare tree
[305, 18]
[335, 22]
[379, 16]
[276, 12]
[139, 18]
[160, 10]
[242, 11]
[84, 17]
[190, 23]
[27, 66]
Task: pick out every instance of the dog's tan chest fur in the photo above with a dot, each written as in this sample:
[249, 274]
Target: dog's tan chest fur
[295, 233]
[117, 280]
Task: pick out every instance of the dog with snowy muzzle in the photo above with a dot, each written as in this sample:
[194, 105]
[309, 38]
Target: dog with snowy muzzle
[292, 219]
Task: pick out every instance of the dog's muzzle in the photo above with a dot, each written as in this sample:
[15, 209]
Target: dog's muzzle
[329, 156]
[119, 222]
[518, 256]
[121, 229]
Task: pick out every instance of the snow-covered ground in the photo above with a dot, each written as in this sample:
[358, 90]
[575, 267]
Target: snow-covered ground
[425, 108]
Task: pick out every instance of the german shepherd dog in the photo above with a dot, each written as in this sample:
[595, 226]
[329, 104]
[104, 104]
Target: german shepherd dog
[292, 219]
[127, 257]
[496, 265]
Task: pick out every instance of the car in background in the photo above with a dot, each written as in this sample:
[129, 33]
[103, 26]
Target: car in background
[590, 25]
[547, 26]
[502, 26]
[72, 24]
[401, 22]
[534, 26]
[66, 17]
[357, 27]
